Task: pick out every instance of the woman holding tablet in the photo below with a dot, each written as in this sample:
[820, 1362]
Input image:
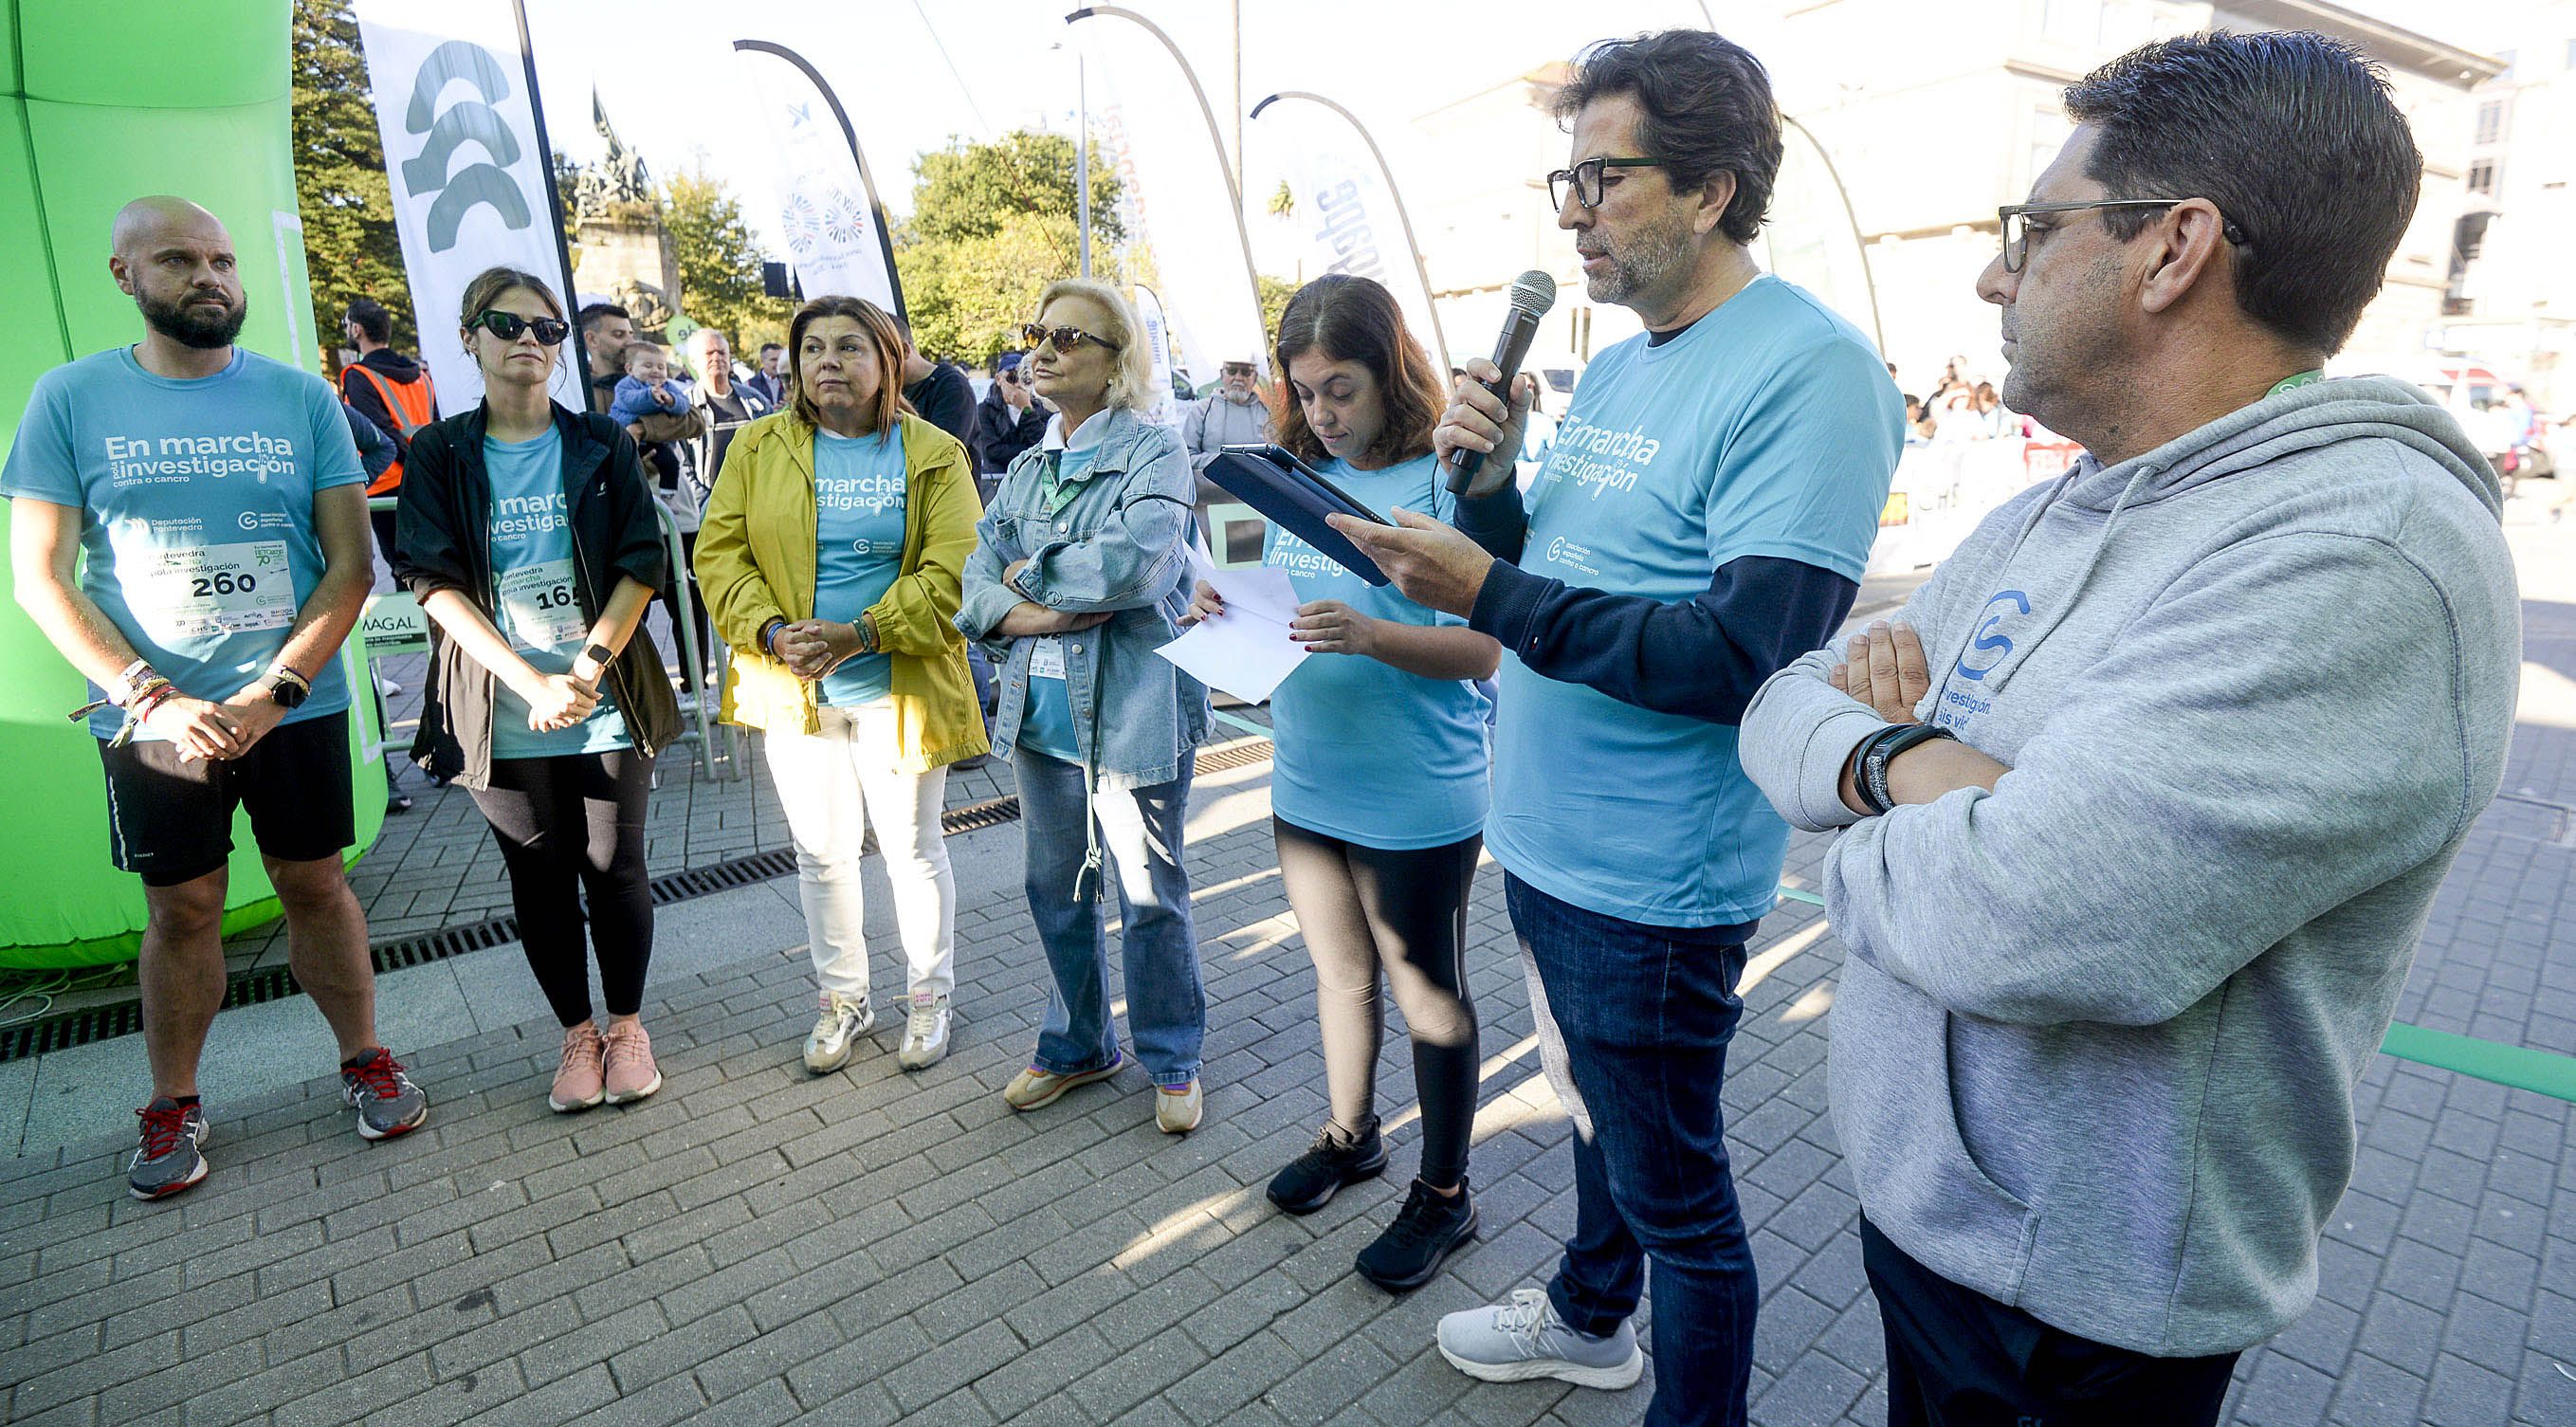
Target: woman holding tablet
[1378, 784]
[1081, 567]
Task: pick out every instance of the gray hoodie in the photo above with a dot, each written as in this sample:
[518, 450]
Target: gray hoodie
[2094, 1049]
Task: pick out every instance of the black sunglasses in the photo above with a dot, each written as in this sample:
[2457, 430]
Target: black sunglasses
[508, 326]
[1063, 339]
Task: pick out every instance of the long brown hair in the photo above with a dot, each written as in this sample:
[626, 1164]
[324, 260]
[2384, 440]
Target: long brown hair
[880, 328]
[1353, 319]
[490, 285]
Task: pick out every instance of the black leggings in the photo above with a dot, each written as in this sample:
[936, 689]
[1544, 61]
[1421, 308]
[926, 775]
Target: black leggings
[1367, 911]
[566, 825]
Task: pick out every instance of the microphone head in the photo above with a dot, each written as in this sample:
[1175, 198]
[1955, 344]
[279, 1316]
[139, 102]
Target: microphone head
[1533, 292]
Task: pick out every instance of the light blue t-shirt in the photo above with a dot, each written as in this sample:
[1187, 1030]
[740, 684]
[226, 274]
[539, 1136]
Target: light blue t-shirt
[858, 548]
[540, 607]
[197, 499]
[1768, 428]
[1365, 751]
[1046, 722]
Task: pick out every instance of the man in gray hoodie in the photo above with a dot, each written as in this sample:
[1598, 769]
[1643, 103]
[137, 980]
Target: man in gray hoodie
[2208, 719]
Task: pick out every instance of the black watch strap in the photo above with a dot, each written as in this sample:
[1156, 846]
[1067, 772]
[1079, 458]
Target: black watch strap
[601, 655]
[1879, 750]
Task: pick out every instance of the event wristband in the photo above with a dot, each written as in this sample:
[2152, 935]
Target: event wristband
[867, 627]
[1879, 750]
[134, 676]
[769, 637]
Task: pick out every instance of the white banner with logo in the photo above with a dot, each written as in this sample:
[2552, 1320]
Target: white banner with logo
[1166, 410]
[467, 168]
[835, 236]
[1345, 206]
[1181, 193]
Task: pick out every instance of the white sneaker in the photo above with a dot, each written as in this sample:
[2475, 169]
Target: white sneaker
[843, 1020]
[925, 1035]
[1524, 1339]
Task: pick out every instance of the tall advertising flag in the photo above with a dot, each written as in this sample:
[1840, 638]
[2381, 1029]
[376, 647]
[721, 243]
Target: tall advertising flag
[1166, 410]
[466, 158]
[1167, 150]
[1347, 205]
[835, 231]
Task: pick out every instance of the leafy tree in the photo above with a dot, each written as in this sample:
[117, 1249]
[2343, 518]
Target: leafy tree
[971, 190]
[719, 263]
[1275, 292]
[350, 247]
[992, 225]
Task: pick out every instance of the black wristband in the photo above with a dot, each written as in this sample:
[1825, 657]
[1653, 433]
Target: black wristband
[1879, 750]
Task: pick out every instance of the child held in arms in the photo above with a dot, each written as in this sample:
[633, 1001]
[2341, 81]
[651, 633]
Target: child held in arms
[647, 390]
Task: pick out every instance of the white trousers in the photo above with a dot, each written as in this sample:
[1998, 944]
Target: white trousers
[831, 783]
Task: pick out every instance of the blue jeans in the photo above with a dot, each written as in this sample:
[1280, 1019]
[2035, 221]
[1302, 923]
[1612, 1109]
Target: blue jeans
[1633, 1023]
[1140, 828]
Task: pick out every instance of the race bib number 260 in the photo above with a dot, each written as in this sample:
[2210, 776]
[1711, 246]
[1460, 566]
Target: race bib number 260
[209, 591]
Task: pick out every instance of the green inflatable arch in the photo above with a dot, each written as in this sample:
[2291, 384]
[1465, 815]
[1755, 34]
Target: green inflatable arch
[107, 100]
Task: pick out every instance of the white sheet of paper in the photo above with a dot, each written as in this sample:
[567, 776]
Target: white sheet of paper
[1245, 656]
[1247, 653]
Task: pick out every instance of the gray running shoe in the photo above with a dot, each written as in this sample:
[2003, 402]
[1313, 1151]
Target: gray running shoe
[1523, 1339]
[836, 1031]
[168, 1159]
[388, 1103]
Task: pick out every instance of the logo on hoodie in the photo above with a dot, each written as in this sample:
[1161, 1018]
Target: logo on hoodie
[1990, 646]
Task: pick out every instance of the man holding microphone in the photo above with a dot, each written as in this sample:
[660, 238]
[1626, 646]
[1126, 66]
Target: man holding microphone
[1703, 518]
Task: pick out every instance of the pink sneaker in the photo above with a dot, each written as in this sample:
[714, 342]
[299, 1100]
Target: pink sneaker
[632, 1075]
[577, 1084]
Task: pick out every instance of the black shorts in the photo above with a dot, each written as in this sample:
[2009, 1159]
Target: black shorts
[171, 821]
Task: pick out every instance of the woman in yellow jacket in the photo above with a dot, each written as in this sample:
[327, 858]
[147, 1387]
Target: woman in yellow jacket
[831, 554]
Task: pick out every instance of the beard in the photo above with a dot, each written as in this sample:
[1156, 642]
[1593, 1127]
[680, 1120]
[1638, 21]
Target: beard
[190, 325]
[1641, 261]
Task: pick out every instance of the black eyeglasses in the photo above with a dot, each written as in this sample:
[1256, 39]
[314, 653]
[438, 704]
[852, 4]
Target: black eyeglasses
[2016, 222]
[508, 326]
[1063, 339]
[1586, 177]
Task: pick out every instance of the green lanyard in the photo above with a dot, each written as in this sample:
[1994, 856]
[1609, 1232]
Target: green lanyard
[2294, 382]
[1053, 489]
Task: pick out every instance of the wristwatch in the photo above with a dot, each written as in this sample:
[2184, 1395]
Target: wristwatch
[599, 654]
[1869, 773]
[288, 689]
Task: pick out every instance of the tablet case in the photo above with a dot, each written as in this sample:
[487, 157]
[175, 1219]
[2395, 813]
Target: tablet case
[1296, 497]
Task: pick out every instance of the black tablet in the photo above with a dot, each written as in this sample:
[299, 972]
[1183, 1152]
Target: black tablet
[1293, 494]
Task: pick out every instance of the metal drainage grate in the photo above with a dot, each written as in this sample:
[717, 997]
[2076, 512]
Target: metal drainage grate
[270, 983]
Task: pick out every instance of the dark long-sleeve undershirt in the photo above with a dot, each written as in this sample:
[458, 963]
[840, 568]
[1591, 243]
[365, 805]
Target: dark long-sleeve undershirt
[1701, 658]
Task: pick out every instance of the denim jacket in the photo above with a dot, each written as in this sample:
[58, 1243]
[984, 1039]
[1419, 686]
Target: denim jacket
[1120, 545]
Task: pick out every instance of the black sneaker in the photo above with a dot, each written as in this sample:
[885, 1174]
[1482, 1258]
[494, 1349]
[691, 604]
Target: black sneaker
[1313, 1178]
[1430, 1225]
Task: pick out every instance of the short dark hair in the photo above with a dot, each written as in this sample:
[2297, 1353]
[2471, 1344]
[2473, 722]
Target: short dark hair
[2292, 135]
[597, 313]
[773, 346]
[1352, 319]
[1708, 110]
[374, 322]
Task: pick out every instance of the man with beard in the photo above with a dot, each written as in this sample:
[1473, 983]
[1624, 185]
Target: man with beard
[1702, 519]
[189, 528]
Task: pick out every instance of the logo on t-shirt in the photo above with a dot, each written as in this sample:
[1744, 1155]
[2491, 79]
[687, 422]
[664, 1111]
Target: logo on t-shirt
[144, 460]
[870, 495]
[1598, 459]
[529, 514]
[1990, 646]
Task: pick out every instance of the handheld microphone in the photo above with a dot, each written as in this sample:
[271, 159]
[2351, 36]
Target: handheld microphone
[1532, 294]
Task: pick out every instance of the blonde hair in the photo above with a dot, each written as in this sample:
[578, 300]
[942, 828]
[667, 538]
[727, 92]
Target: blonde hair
[1131, 370]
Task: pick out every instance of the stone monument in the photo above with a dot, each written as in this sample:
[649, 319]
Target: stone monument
[618, 224]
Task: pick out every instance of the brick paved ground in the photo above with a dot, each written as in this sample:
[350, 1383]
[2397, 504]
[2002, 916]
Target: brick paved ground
[757, 1246]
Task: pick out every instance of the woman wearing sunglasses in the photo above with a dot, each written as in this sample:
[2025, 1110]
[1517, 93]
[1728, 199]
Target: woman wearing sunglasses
[1080, 571]
[528, 532]
[830, 554]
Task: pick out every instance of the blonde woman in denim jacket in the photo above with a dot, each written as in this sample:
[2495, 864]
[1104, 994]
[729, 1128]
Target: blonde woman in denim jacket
[1080, 571]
